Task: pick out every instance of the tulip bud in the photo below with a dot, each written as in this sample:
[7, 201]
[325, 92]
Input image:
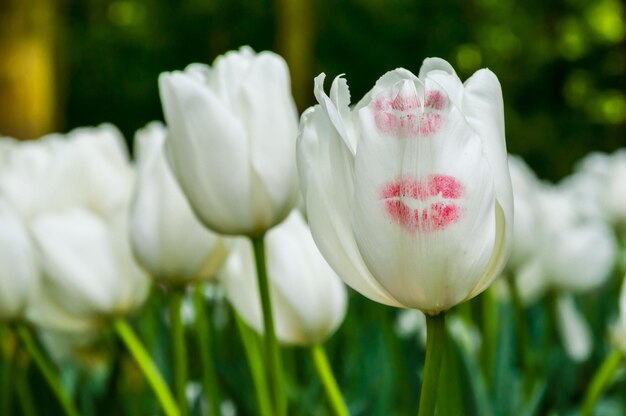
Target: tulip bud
[601, 179]
[408, 193]
[88, 167]
[572, 252]
[233, 128]
[18, 271]
[525, 187]
[89, 274]
[309, 299]
[167, 238]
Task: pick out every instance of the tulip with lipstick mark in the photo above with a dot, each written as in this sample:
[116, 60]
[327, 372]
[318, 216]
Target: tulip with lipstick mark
[408, 193]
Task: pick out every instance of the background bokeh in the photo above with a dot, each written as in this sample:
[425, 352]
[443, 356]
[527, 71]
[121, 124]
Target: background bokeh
[562, 64]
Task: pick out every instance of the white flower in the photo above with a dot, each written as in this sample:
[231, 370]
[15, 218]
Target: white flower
[525, 188]
[88, 167]
[408, 194]
[308, 299]
[89, 274]
[233, 128]
[18, 270]
[167, 238]
[573, 253]
[575, 333]
[601, 178]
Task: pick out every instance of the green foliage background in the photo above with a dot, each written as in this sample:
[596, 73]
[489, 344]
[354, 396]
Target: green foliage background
[562, 64]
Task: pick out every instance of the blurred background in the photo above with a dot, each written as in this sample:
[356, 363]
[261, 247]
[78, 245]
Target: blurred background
[562, 64]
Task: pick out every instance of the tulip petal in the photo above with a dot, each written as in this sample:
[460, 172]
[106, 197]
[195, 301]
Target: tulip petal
[325, 165]
[272, 126]
[484, 110]
[167, 237]
[301, 275]
[424, 215]
[435, 64]
[208, 152]
[88, 272]
[18, 272]
[582, 257]
[573, 329]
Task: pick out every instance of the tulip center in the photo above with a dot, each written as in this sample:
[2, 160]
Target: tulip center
[423, 205]
[403, 116]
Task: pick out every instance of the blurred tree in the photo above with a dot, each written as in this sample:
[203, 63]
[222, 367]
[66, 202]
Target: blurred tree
[295, 38]
[27, 68]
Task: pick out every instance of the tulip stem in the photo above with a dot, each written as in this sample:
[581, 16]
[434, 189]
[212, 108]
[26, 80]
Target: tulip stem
[178, 349]
[435, 345]
[522, 334]
[149, 368]
[22, 389]
[9, 354]
[204, 331]
[253, 355]
[325, 372]
[47, 369]
[601, 381]
[272, 352]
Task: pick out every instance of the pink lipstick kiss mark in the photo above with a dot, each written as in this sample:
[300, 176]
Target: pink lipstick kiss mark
[441, 212]
[403, 116]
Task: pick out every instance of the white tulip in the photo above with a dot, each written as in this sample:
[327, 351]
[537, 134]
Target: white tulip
[233, 128]
[602, 178]
[575, 333]
[18, 267]
[89, 274]
[573, 253]
[308, 298]
[408, 194]
[525, 185]
[88, 167]
[167, 238]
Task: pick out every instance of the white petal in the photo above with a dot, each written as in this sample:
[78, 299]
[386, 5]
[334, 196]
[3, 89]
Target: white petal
[18, 272]
[574, 330]
[582, 257]
[483, 108]
[300, 274]
[271, 121]
[429, 250]
[325, 165]
[308, 299]
[531, 280]
[442, 73]
[88, 272]
[208, 152]
[167, 237]
[435, 64]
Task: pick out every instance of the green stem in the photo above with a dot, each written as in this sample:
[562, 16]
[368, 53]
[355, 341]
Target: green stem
[272, 352]
[489, 318]
[8, 369]
[204, 331]
[253, 355]
[435, 345]
[152, 374]
[47, 369]
[522, 334]
[22, 389]
[178, 349]
[601, 381]
[328, 380]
